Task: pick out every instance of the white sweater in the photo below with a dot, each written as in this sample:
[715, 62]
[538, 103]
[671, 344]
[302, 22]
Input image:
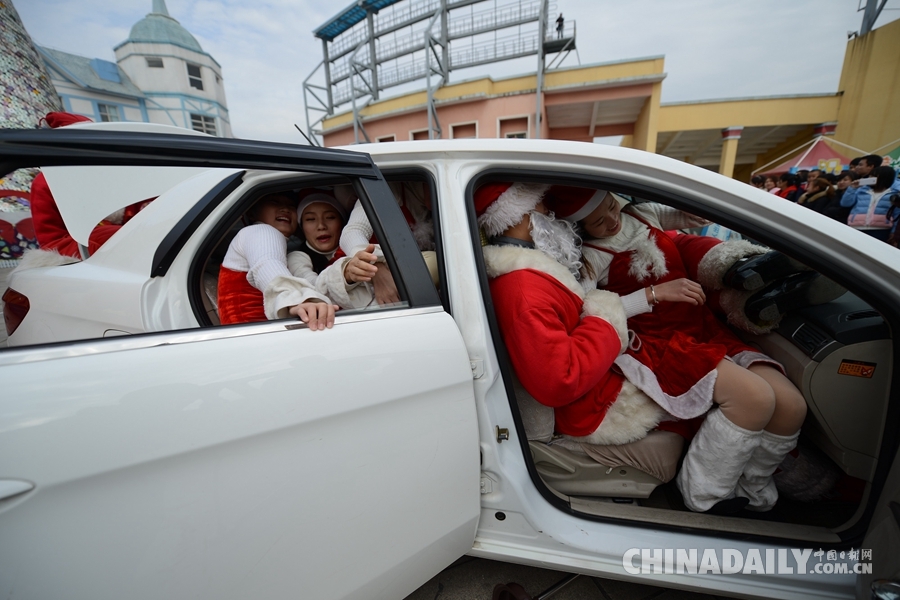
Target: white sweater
[260, 250]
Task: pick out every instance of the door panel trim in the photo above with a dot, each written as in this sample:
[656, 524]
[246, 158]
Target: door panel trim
[30, 354]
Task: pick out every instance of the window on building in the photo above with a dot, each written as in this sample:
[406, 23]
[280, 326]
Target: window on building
[464, 130]
[154, 62]
[515, 127]
[108, 113]
[420, 134]
[387, 138]
[194, 76]
[203, 123]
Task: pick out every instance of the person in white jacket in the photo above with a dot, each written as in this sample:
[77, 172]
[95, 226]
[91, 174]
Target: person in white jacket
[255, 283]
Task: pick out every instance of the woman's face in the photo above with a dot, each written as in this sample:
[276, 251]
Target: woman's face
[321, 225]
[278, 211]
[605, 221]
[769, 184]
[844, 182]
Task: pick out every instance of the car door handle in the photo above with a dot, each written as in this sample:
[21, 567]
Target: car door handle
[14, 487]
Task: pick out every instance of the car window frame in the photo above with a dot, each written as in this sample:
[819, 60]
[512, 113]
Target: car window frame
[850, 537]
[85, 147]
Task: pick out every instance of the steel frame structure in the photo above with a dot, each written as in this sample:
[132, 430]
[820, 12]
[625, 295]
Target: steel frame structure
[360, 62]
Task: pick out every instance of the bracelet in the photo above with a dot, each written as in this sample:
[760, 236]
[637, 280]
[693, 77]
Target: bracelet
[653, 293]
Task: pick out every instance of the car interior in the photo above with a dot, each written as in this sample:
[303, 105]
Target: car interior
[206, 272]
[839, 355]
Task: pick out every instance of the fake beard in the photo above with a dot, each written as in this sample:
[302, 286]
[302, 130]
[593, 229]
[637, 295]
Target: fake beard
[558, 240]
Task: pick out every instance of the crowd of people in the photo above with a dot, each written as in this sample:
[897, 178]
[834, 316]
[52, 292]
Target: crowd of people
[866, 196]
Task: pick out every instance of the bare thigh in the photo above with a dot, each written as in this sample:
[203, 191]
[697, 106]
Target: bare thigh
[790, 406]
[745, 398]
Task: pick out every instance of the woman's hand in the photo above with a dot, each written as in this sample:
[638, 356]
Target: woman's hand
[362, 266]
[384, 287]
[677, 290]
[315, 313]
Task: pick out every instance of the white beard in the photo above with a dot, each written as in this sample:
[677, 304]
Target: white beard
[558, 240]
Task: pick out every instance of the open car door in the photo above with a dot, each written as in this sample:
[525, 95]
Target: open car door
[261, 460]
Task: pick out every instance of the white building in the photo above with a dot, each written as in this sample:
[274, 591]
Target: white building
[161, 75]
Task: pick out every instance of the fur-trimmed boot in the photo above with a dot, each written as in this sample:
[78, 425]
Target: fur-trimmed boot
[714, 462]
[756, 483]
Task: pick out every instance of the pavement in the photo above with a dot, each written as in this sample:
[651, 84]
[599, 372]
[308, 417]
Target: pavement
[474, 579]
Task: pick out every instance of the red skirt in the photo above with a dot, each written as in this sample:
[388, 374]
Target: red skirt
[239, 302]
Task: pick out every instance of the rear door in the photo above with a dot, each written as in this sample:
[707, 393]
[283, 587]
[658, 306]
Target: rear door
[260, 460]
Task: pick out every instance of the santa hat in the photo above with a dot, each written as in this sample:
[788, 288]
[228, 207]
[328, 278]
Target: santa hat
[61, 119]
[500, 206]
[573, 203]
[317, 197]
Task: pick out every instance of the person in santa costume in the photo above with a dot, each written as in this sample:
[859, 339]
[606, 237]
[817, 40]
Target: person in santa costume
[415, 204]
[49, 227]
[255, 283]
[682, 355]
[321, 217]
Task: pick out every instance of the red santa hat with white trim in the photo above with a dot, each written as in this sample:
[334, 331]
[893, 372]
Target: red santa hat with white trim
[573, 203]
[502, 205]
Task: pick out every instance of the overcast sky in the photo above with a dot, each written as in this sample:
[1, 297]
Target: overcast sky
[713, 48]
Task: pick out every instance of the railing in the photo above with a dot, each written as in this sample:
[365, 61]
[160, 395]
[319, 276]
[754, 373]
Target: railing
[493, 50]
[502, 16]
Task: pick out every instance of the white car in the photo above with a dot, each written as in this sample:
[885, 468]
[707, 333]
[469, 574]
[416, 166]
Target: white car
[146, 451]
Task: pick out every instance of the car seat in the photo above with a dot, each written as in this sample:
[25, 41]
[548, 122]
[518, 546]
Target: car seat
[627, 470]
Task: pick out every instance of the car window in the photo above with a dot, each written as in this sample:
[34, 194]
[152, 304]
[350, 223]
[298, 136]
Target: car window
[829, 345]
[155, 264]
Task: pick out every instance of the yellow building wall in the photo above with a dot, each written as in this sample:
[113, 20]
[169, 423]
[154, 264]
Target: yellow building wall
[757, 112]
[869, 116]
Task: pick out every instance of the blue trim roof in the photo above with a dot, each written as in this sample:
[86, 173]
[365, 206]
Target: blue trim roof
[349, 17]
[83, 71]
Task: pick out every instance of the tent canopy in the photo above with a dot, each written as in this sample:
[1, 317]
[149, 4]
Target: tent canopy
[817, 156]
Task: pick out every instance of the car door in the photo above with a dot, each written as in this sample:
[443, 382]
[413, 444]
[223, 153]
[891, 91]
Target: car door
[261, 460]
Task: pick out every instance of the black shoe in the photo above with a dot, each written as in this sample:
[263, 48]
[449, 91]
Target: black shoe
[756, 272]
[725, 508]
[767, 306]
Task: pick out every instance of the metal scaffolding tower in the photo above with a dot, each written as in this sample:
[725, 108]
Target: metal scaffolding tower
[374, 45]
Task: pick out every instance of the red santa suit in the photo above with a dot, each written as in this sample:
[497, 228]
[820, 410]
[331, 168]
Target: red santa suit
[255, 283]
[562, 341]
[676, 348]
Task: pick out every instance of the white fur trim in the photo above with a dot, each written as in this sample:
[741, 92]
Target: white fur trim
[589, 207]
[715, 263]
[607, 306]
[647, 259]
[37, 259]
[500, 260]
[732, 302]
[748, 358]
[423, 233]
[509, 208]
[629, 419]
[693, 403]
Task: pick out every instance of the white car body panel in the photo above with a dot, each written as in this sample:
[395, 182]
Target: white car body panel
[290, 444]
[87, 195]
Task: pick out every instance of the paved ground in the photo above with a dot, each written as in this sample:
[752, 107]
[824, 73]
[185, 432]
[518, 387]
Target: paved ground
[475, 578]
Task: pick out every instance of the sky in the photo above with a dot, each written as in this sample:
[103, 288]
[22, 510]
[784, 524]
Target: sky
[713, 48]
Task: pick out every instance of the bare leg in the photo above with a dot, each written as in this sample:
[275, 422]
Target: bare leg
[790, 406]
[744, 397]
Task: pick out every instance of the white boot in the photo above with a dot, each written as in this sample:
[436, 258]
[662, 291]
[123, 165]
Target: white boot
[715, 461]
[756, 482]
